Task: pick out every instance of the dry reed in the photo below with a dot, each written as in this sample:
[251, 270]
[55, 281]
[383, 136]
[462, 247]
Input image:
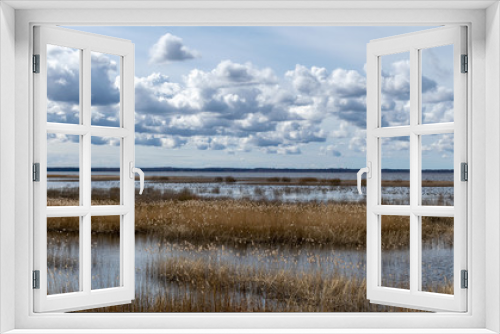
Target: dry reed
[250, 222]
[200, 286]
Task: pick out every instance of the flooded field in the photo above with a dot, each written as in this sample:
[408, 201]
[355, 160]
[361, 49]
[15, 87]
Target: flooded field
[233, 247]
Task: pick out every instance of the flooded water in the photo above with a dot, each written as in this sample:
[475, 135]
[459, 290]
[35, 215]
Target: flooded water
[278, 192]
[170, 268]
[151, 252]
[427, 175]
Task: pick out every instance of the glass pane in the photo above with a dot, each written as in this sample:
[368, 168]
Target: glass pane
[105, 252]
[437, 254]
[105, 89]
[105, 153]
[63, 255]
[63, 169]
[395, 175]
[63, 84]
[395, 234]
[437, 169]
[395, 89]
[437, 84]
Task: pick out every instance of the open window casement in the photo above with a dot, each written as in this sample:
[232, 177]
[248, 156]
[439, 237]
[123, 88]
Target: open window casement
[415, 293]
[82, 131]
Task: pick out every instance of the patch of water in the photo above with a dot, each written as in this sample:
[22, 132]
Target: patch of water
[151, 252]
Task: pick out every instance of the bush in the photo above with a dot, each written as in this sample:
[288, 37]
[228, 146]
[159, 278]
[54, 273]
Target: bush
[230, 179]
[335, 182]
[308, 179]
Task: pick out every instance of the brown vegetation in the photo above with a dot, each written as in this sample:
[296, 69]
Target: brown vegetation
[250, 222]
[257, 180]
[194, 284]
[201, 286]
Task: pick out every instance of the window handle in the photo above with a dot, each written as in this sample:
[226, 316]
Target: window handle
[368, 171]
[134, 170]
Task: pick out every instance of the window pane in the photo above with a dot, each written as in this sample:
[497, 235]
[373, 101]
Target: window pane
[395, 175]
[63, 170]
[395, 89]
[395, 235]
[437, 169]
[437, 254]
[105, 170]
[63, 84]
[105, 89]
[63, 255]
[105, 252]
[437, 84]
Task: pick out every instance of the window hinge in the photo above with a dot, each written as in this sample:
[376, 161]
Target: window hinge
[465, 279]
[36, 279]
[36, 172]
[36, 63]
[464, 171]
[465, 64]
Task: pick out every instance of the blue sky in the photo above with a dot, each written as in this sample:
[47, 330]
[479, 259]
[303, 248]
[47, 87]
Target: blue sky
[284, 97]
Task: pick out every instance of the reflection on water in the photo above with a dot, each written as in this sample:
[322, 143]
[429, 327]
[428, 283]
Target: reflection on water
[174, 275]
[427, 175]
[299, 193]
[153, 253]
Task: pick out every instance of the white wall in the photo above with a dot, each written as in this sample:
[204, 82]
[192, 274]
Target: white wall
[492, 164]
[7, 160]
[479, 124]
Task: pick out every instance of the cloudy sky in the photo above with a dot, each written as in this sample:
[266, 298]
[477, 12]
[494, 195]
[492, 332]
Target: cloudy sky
[284, 97]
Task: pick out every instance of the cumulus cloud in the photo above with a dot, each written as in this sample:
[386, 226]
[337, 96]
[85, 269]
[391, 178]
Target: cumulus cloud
[239, 107]
[63, 87]
[242, 101]
[170, 48]
[442, 144]
[63, 74]
[105, 89]
[330, 150]
[111, 141]
[357, 143]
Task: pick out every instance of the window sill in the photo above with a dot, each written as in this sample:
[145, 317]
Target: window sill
[250, 331]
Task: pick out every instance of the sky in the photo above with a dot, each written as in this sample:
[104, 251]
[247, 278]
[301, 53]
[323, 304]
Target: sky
[246, 97]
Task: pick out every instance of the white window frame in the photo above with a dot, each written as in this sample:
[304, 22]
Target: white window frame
[483, 211]
[413, 44]
[85, 298]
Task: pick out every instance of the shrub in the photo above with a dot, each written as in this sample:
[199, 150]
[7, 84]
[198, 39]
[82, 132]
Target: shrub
[230, 179]
[308, 180]
[335, 182]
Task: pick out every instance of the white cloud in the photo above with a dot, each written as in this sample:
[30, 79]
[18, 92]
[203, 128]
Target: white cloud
[241, 107]
[170, 48]
[330, 150]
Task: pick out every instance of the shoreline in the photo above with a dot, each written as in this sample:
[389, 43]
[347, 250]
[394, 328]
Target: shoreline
[261, 181]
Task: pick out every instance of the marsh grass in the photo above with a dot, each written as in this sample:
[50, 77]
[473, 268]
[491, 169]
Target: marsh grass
[170, 282]
[254, 222]
[199, 286]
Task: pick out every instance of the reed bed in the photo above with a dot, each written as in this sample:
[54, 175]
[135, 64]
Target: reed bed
[251, 222]
[193, 260]
[188, 285]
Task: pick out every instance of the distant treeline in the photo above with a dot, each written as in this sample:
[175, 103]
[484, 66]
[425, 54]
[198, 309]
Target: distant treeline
[245, 170]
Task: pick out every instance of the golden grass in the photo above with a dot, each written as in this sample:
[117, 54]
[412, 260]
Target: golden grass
[188, 285]
[250, 222]
[183, 284]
